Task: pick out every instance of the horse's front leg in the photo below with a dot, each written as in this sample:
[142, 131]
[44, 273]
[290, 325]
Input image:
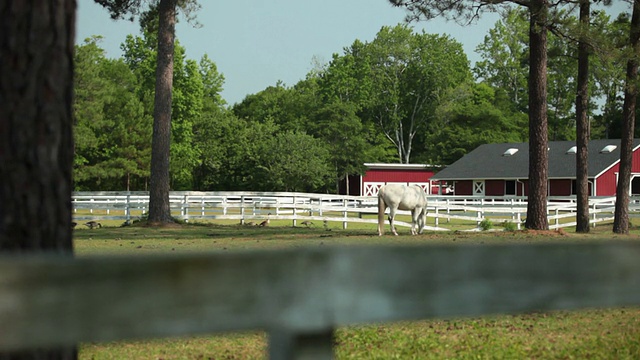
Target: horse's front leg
[392, 215]
[415, 219]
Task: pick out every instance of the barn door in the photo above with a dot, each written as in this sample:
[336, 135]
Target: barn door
[478, 187]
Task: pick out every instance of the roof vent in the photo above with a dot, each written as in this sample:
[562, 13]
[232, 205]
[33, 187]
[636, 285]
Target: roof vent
[510, 152]
[572, 150]
[608, 149]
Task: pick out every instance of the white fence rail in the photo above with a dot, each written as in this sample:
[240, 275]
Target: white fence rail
[253, 206]
[300, 296]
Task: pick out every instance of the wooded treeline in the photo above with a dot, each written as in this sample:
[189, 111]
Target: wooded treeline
[405, 96]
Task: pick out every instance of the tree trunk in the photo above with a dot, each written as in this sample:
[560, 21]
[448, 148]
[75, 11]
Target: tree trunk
[159, 210]
[621, 217]
[36, 143]
[538, 136]
[582, 123]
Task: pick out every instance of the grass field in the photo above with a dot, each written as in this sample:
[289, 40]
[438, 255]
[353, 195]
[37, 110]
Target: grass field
[584, 334]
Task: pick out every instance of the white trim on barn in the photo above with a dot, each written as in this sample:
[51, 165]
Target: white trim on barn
[372, 188]
[399, 166]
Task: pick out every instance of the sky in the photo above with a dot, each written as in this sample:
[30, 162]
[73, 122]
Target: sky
[256, 43]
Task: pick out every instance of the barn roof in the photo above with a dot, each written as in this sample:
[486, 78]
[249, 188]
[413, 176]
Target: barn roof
[511, 161]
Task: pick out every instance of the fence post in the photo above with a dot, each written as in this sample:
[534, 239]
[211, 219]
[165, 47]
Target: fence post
[241, 209]
[294, 210]
[127, 207]
[437, 222]
[345, 213]
[290, 345]
[184, 208]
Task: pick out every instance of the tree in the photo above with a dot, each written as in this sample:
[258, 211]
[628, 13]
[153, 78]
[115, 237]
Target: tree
[112, 132]
[340, 127]
[410, 74]
[345, 86]
[582, 121]
[292, 161]
[469, 118]
[159, 210]
[504, 54]
[609, 72]
[539, 21]
[36, 142]
[621, 216]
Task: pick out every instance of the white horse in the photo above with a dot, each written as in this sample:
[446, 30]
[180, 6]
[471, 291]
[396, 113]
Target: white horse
[402, 197]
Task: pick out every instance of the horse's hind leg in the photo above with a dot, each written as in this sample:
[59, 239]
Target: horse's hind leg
[423, 220]
[392, 215]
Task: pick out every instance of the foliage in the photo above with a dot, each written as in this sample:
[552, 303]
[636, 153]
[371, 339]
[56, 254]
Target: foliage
[469, 118]
[112, 132]
[504, 55]
[292, 161]
[411, 74]
[485, 225]
[509, 226]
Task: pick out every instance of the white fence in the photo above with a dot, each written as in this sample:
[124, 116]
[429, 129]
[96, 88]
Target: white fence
[256, 206]
[300, 296]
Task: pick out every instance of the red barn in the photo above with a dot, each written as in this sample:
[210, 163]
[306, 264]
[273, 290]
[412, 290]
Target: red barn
[381, 174]
[503, 169]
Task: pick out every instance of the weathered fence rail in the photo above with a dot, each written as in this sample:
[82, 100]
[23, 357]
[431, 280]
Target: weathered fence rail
[251, 206]
[300, 296]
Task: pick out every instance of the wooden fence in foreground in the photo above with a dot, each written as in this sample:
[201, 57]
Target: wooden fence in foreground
[255, 206]
[300, 296]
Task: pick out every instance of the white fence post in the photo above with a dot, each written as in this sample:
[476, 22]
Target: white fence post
[127, 207]
[184, 208]
[344, 214]
[294, 211]
[437, 222]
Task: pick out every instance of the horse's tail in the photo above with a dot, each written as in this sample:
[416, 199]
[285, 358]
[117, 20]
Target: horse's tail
[381, 208]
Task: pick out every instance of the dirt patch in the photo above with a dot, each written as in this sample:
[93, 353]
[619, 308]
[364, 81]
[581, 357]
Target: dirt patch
[548, 233]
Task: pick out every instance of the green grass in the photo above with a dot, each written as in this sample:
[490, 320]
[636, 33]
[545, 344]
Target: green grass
[595, 334]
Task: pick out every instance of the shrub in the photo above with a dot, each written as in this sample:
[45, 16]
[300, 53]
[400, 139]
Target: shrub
[486, 224]
[509, 226]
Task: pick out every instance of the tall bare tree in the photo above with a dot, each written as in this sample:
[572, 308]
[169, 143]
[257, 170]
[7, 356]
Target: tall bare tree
[159, 185]
[539, 19]
[159, 210]
[36, 143]
[621, 215]
[582, 121]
